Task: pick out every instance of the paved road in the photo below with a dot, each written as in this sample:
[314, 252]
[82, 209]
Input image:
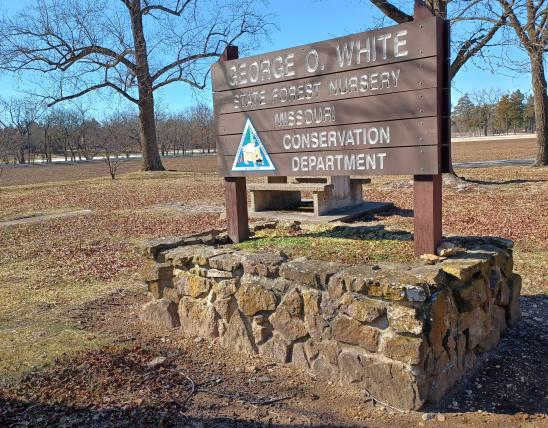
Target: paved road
[475, 164]
[487, 164]
[495, 138]
[83, 161]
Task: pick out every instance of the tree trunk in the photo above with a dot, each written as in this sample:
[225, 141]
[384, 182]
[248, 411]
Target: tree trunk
[147, 123]
[147, 134]
[72, 154]
[540, 98]
[45, 156]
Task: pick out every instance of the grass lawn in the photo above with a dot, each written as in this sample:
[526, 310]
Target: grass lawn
[333, 244]
[52, 270]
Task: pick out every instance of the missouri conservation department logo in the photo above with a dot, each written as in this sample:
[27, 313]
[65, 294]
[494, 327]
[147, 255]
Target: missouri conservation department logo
[251, 154]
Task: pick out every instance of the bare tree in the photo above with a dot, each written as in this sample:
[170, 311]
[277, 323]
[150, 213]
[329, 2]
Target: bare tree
[529, 19]
[83, 126]
[122, 128]
[179, 129]
[21, 114]
[109, 143]
[133, 47]
[6, 135]
[482, 23]
[46, 125]
[201, 117]
[486, 100]
[66, 124]
[112, 161]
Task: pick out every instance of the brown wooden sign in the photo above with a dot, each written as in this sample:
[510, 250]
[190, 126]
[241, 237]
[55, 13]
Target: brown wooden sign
[345, 138]
[371, 95]
[385, 46]
[373, 103]
[399, 77]
[422, 159]
[405, 105]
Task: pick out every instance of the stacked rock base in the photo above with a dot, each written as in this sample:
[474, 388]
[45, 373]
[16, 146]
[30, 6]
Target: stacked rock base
[405, 333]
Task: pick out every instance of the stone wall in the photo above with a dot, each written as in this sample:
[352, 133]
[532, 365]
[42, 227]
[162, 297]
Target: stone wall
[405, 333]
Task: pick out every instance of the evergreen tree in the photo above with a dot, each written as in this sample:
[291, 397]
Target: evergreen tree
[529, 114]
[516, 109]
[504, 112]
[464, 113]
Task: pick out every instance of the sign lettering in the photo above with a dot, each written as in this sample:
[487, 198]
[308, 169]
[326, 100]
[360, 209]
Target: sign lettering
[361, 104]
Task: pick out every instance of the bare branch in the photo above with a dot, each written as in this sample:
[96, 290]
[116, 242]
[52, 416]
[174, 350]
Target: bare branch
[392, 11]
[182, 61]
[94, 88]
[515, 22]
[192, 82]
[472, 46]
[177, 11]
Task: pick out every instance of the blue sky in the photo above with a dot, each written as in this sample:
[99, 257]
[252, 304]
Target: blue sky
[301, 22]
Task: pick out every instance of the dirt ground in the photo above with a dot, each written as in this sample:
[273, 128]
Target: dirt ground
[73, 352]
[202, 384]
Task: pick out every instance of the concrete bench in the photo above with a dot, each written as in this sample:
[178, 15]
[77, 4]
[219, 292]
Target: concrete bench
[329, 193]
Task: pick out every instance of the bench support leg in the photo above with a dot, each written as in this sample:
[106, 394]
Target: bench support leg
[344, 194]
[321, 205]
[236, 209]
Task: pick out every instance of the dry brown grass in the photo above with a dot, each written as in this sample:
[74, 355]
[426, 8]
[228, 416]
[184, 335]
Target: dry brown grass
[524, 148]
[50, 268]
[483, 150]
[57, 274]
[13, 176]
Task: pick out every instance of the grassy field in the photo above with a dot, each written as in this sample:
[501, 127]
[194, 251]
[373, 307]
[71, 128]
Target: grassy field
[482, 150]
[462, 151]
[52, 269]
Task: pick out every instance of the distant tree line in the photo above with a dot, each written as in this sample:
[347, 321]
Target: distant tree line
[132, 48]
[490, 112]
[30, 132]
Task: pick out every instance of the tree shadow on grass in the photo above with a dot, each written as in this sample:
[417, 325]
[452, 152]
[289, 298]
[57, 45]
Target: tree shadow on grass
[18, 413]
[502, 182]
[392, 212]
[362, 233]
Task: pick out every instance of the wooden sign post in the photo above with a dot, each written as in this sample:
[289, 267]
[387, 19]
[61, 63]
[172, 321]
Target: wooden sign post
[373, 103]
[428, 188]
[235, 191]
